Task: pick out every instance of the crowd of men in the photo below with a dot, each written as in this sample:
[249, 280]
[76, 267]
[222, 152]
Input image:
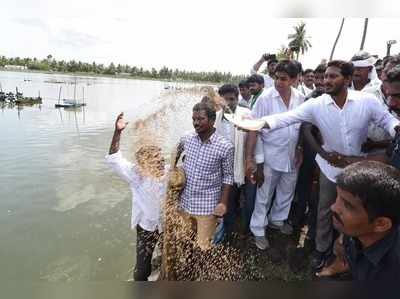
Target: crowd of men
[317, 122]
[327, 157]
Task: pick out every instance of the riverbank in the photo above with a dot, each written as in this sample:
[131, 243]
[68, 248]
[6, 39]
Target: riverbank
[117, 76]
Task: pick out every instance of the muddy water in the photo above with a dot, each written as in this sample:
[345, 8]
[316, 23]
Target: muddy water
[64, 216]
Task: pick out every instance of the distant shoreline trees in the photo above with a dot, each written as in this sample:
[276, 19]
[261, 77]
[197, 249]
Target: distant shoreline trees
[49, 64]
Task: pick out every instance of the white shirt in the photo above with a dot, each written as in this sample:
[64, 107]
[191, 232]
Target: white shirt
[147, 193]
[343, 130]
[304, 89]
[238, 139]
[279, 145]
[268, 80]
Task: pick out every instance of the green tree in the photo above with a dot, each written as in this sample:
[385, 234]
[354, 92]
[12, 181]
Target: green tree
[299, 41]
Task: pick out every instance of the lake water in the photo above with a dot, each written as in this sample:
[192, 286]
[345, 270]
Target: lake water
[64, 216]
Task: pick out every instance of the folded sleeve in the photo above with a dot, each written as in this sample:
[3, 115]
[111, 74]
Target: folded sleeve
[122, 167]
[382, 117]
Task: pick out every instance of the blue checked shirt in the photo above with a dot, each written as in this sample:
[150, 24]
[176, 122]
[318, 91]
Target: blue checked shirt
[207, 167]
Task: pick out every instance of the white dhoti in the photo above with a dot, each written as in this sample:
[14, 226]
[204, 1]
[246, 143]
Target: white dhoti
[285, 184]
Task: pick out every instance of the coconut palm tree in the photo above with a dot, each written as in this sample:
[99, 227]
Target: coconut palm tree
[337, 38]
[298, 41]
[364, 33]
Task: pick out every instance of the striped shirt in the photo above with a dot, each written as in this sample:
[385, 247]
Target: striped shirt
[207, 165]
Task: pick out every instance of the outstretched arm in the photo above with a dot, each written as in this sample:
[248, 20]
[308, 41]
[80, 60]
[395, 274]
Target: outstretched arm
[120, 125]
[257, 66]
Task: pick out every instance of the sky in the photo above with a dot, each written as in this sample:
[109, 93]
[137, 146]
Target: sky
[204, 35]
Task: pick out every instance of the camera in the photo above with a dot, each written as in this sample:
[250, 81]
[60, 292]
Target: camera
[269, 56]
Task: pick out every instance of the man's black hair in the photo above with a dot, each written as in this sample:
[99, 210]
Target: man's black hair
[256, 78]
[228, 88]
[289, 67]
[320, 69]
[299, 66]
[394, 74]
[346, 68]
[274, 60]
[207, 107]
[244, 84]
[308, 71]
[377, 185]
[395, 60]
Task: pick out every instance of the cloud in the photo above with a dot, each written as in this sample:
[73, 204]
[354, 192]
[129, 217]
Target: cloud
[32, 22]
[72, 38]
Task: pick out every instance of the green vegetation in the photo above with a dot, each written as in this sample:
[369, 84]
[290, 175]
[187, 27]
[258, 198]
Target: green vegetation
[299, 42]
[49, 64]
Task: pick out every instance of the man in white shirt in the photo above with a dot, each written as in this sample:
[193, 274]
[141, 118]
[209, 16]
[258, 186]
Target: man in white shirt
[281, 155]
[271, 64]
[245, 94]
[242, 187]
[256, 87]
[365, 76]
[342, 117]
[148, 183]
[307, 85]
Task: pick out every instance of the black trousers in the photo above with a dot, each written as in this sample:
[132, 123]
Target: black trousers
[145, 243]
[304, 197]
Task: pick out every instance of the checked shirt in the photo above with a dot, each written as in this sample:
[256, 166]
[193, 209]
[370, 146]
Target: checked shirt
[207, 167]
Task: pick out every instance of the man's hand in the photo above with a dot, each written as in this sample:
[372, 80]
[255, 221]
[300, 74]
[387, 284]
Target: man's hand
[298, 157]
[120, 123]
[259, 175]
[341, 161]
[220, 210]
[336, 159]
[250, 168]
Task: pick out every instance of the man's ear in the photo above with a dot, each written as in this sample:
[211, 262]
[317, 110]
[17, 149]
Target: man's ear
[382, 224]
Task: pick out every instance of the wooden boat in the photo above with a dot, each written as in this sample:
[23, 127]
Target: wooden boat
[21, 100]
[28, 100]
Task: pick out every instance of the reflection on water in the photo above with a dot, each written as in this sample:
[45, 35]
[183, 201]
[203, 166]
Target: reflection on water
[64, 216]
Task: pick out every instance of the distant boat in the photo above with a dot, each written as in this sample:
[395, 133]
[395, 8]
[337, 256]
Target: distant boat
[54, 81]
[70, 103]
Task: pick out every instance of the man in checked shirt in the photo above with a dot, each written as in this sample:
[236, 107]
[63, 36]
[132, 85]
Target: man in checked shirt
[208, 166]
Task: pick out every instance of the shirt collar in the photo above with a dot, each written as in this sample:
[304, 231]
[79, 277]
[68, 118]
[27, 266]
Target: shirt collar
[274, 92]
[211, 139]
[350, 97]
[379, 249]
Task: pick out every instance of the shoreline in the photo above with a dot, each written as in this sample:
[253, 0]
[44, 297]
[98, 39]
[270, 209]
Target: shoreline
[106, 76]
